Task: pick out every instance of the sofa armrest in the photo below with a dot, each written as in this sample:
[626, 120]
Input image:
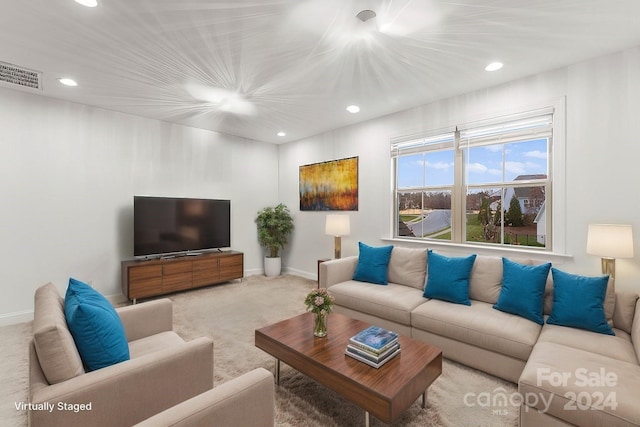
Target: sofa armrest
[337, 270]
[244, 401]
[147, 318]
[128, 392]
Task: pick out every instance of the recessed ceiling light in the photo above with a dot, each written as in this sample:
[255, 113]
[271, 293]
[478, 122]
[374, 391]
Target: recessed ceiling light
[494, 66]
[281, 133]
[353, 109]
[88, 3]
[68, 82]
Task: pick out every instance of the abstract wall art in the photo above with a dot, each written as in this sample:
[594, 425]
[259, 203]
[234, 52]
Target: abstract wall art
[329, 186]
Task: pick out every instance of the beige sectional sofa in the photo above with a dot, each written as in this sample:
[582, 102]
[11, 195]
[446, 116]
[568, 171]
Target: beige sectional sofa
[167, 381]
[507, 345]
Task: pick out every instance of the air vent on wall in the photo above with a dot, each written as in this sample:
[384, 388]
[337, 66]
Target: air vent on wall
[13, 75]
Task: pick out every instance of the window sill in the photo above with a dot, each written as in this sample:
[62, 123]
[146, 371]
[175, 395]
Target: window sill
[465, 248]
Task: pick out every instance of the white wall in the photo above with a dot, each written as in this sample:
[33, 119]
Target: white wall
[68, 174]
[602, 159]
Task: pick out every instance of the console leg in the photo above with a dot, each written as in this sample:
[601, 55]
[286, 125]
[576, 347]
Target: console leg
[277, 373]
[424, 399]
[366, 418]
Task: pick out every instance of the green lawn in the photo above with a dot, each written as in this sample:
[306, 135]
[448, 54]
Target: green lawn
[475, 233]
[474, 229]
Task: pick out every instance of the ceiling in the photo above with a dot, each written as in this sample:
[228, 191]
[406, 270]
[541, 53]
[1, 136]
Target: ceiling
[252, 68]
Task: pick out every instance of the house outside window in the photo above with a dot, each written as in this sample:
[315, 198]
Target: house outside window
[484, 183]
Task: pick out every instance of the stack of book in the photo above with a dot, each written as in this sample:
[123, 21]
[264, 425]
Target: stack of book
[374, 346]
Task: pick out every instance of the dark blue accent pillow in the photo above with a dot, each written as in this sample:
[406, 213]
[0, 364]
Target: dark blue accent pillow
[95, 326]
[373, 264]
[448, 278]
[578, 302]
[522, 290]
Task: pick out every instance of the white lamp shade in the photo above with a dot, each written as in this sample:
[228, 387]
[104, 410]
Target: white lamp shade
[337, 225]
[610, 240]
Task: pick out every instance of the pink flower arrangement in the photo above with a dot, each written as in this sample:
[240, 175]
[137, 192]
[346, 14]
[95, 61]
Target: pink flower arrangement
[319, 301]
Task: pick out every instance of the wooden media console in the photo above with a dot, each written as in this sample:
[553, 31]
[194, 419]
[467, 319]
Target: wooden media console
[143, 279]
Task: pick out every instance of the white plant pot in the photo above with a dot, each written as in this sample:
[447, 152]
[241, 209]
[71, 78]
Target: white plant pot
[272, 266]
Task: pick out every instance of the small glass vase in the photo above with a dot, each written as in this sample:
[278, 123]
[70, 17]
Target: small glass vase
[320, 325]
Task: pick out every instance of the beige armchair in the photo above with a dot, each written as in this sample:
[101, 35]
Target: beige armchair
[244, 401]
[163, 371]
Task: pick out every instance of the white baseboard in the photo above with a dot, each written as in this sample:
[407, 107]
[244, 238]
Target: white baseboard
[301, 273]
[16, 317]
[117, 299]
[253, 272]
[27, 315]
[285, 270]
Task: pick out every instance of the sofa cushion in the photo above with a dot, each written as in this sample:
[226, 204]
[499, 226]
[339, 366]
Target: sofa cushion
[56, 350]
[486, 279]
[448, 278]
[624, 311]
[153, 343]
[408, 266]
[373, 264]
[96, 327]
[522, 290]
[578, 301]
[479, 325]
[580, 387]
[618, 346]
[635, 330]
[610, 301]
[392, 302]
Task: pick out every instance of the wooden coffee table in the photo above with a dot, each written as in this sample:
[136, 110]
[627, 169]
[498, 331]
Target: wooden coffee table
[385, 392]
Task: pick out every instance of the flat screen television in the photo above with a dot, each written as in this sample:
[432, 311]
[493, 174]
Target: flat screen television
[169, 225]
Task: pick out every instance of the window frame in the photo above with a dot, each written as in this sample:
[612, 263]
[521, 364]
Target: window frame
[555, 192]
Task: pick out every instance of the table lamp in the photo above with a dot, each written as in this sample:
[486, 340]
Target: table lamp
[337, 226]
[610, 241]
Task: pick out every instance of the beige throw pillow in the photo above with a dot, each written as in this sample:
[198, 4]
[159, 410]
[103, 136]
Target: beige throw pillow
[486, 279]
[408, 266]
[625, 309]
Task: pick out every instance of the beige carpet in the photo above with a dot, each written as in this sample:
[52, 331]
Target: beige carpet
[230, 313]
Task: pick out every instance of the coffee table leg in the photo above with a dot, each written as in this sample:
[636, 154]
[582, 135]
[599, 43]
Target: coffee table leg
[366, 418]
[424, 399]
[277, 373]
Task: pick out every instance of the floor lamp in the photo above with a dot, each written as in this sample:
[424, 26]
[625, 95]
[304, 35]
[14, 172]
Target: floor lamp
[337, 226]
[610, 241]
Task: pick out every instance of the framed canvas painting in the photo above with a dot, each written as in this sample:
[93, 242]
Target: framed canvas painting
[329, 186]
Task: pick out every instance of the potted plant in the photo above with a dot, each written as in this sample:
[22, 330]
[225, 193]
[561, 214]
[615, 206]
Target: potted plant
[274, 227]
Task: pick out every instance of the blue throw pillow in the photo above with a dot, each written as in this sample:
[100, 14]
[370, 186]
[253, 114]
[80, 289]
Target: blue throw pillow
[448, 278]
[578, 302]
[522, 290]
[95, 326]
[373, 264]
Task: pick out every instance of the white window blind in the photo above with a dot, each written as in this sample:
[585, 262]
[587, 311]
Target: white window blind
[420, 143]
[532, 124]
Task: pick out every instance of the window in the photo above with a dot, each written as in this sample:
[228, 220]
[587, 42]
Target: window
[483, 183]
